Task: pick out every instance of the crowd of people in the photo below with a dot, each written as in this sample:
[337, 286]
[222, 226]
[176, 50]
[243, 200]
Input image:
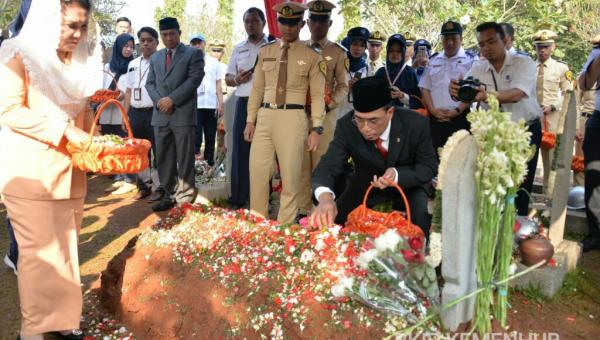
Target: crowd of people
[332, 118]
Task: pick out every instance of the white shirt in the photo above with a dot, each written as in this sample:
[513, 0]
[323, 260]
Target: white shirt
[385, 143]
[137, 73]
[593, 55]
[517, 72]
[112, 115]
[438, 74]
[346, 105]
[207, 91]
[243, 57]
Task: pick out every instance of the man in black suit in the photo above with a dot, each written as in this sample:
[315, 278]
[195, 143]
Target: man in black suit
[387, 144]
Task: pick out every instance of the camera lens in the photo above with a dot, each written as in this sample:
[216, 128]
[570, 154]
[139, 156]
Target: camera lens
[467, 93]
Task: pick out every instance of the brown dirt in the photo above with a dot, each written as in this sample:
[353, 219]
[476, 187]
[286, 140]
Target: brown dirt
[110, 222]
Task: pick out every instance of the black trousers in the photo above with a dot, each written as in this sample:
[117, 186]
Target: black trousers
[207, 125]
[417, 200]
[522, 200]
[441, 131]
[240, 156]
[591, 155]
[140, 121]
[175, 162]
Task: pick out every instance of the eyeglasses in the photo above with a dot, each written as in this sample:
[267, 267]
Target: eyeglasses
[370, 122]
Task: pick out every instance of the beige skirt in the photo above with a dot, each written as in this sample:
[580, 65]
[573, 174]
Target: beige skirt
[49, 281]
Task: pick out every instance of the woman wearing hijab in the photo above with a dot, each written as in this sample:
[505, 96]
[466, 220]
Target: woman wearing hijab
[46, 76]
[401, 77]
[111, 119]
[356, 44]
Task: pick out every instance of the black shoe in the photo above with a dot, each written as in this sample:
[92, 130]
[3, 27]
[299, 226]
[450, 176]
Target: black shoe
[590, 243]
[163, 205]
[75, 334]
[157, 196]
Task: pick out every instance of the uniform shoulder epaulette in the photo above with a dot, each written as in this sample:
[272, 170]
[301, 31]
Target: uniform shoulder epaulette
[268, 43]
[471, 54]
[341, 46]
[434, 55]
[562, 62]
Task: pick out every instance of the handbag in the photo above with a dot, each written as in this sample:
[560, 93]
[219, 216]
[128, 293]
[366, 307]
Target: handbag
[374, 223]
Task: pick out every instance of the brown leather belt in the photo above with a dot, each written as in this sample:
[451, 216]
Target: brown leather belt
[283, 107]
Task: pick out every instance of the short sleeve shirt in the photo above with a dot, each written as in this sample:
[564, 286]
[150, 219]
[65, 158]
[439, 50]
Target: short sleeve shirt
[595, 54]
[207, 91]
[556, 82]
[518, 72]
[438, 74]
[243, 57]
[137, 73]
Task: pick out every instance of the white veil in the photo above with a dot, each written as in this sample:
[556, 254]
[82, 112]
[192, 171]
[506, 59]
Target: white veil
[64, 85]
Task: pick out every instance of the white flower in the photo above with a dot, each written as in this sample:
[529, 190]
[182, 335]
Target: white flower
[435, 250]
[307, 256]
[366, 257]
[338, 290]
[320, 244]
[335, 230]
[387, 241]
[347, 282]
[512, 269]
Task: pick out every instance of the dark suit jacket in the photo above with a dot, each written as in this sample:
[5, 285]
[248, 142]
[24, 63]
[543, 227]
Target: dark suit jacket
[410, 151]
[178, 83]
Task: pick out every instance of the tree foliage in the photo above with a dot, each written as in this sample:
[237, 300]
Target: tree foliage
[206, 20]
[171, 8]
[225, 14]
[105, 13]
[575, 21]
[8, 9]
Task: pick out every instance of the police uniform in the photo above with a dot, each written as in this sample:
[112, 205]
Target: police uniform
[336, 80]
[376, 38]
[436, 80]
[410, 47]
[553, 79]
[277, 110]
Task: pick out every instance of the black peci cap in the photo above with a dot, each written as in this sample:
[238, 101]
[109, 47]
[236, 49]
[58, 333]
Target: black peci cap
[370, 94]
[168, 23]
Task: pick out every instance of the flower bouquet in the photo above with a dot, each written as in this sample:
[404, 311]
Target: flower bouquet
[396, 279]
[328, 99]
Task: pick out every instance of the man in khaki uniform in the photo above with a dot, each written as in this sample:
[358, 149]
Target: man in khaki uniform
[410, 48]
[375, 45]
[276, 122]
[585, 108]
[336, 80]
[553, 80]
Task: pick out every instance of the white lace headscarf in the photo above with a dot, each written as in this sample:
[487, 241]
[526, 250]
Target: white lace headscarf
[65, 85]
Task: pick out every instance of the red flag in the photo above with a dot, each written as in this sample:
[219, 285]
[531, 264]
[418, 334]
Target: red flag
[272, 16]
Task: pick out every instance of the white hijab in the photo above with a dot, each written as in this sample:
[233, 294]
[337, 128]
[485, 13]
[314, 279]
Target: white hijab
[65, 85]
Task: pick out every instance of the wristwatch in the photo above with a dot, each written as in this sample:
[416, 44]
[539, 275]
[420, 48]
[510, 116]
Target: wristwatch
[318, 129]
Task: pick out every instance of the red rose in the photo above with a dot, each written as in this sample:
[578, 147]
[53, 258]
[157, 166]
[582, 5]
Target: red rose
[416, 243]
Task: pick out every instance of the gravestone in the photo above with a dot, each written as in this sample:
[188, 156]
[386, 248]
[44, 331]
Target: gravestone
[459, 233]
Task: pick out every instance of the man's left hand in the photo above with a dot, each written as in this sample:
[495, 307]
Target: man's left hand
[313, 141]
[166, 105]
[546, 109]
[383, 182]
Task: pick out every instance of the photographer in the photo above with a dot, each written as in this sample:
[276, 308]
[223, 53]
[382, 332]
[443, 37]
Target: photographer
[512, 79]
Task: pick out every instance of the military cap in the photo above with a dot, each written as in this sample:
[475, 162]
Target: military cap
[370, 94]
[197, 36]
[544, 37]
[410, 38]
[377, 37]
[289, 12]
[320, 9]
[451, 27]
[358, 33]
[596, 41]
[168, 23]
[217, 44]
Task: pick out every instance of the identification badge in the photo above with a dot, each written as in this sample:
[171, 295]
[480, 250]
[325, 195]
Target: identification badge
[201, 88]
[137, 94]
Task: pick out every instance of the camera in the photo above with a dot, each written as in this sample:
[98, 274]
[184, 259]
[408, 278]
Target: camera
[468, 89]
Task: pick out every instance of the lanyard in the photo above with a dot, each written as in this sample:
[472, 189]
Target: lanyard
[397, 76]
[142, 75]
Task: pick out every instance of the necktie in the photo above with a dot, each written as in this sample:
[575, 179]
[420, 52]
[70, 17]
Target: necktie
[169, 57]
[380, 148]
[282, 77]
[316, 46]
[540, 84]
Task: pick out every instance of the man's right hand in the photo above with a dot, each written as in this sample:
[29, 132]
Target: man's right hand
[243, 77]
[325, 213]
[249, 132]
[441, 115]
